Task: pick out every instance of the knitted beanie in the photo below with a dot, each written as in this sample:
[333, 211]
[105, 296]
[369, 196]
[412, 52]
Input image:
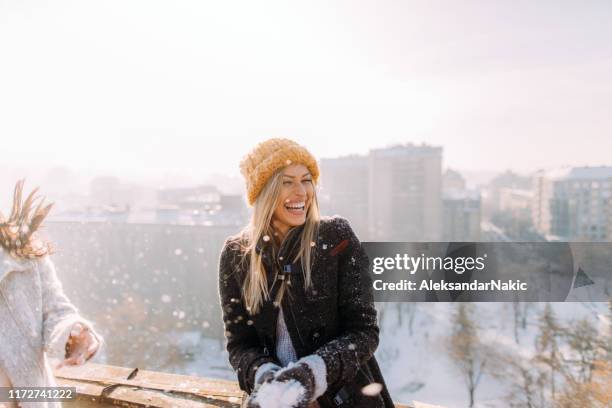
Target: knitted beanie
[267, 157]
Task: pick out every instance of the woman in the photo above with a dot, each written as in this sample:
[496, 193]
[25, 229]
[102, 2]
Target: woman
[296, 296]
[36, 318]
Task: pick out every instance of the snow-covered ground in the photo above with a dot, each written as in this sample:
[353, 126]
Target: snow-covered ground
[416, 365]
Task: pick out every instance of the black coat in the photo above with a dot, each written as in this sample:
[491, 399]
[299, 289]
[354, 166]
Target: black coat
[335, 318]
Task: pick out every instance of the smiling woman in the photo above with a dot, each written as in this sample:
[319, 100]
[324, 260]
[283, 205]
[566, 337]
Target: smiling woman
[295, 198]
[295, 292]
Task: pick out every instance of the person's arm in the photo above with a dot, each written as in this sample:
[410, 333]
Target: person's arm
[61, 320]
[358, 331]
[246, 354]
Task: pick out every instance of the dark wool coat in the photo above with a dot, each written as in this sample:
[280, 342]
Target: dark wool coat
[335, 318]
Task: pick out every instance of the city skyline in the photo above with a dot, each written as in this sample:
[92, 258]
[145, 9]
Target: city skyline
[44, 175]
[41, 174]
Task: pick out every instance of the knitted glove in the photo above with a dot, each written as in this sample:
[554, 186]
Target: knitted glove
[265, 373]
[298, 381]
[252, 401]
[295, 386]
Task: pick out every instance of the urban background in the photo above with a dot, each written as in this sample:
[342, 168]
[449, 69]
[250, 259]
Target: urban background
[132, 116]
[141, 261]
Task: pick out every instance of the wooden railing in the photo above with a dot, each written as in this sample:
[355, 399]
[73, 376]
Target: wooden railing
[100, 385]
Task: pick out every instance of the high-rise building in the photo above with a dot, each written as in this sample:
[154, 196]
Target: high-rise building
[574, 203]
[344, 191]
[461, 209]
[452, 180]
[461, 215]
[516, 202]
[405, 193]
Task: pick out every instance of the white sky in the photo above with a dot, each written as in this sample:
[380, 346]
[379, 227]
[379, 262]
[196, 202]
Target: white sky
[151, 87]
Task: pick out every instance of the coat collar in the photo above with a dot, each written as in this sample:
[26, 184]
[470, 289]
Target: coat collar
[9, 264]
[287, 246]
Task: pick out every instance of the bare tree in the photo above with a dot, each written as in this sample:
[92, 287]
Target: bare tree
[587, 372]
[586, 347]
[547, 346]
[596, 393]
[525, 378]
[466, 350]
[408, 310]
[570, 367]
[520, 315]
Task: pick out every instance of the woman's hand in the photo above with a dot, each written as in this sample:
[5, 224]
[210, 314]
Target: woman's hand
[81, 346]
[292, 387]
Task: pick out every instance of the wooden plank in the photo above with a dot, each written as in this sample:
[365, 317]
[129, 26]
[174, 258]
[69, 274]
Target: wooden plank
[107, 386]
[111, 375]
[135, 397]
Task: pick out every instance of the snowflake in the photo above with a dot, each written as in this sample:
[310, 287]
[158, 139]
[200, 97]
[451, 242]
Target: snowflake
[372, 389]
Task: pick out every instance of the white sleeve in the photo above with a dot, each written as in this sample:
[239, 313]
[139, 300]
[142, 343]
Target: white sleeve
[59, 314]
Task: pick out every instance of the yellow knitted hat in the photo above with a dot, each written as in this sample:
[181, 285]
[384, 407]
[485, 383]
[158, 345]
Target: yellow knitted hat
[267, 157]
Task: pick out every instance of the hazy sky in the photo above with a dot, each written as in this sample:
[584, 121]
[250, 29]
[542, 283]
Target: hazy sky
[143, 87]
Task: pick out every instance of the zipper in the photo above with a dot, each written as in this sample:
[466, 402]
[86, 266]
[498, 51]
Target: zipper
[285, 242]
[369, 378]
[297, 326]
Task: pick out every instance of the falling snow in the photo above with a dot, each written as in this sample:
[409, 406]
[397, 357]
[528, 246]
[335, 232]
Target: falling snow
[160, 309]
[372, 389]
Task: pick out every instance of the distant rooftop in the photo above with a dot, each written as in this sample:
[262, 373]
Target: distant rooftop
[461, 194]
[516, 192]
[407, 149]
[590, 173]
[579, 173]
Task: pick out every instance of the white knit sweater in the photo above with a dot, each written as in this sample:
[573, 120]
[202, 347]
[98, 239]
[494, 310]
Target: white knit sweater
[36, 318]
[284, 347]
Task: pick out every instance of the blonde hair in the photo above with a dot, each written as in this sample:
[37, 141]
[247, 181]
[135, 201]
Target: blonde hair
[255, 288]
[18, 231]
